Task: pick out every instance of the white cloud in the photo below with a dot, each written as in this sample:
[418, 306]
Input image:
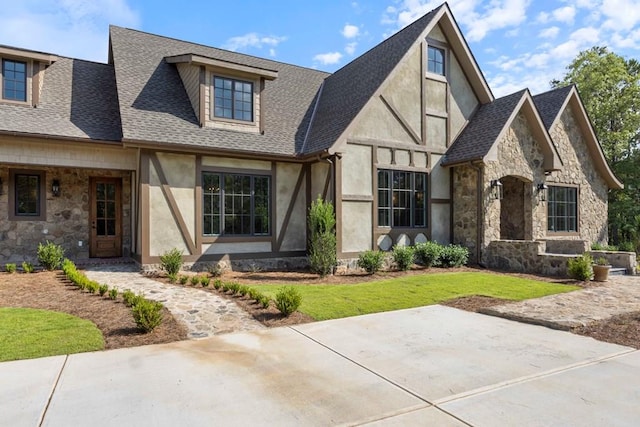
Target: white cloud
[564, 14]
[350, 31]
[328, 58]
[254, 40]
[74, 28]
[621, 14]
[350, 48]
[549, 33]
[272, 52]
[543, 17]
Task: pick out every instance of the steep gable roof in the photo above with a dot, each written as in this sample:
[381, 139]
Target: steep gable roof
[155, 107]
[553, 103]
[488, 125]
[78, 101]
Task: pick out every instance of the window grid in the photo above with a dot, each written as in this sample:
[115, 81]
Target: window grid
[14, 80]
[402, 199]
[235, 204]
[233, 99]
[562, 209]
[435, 60]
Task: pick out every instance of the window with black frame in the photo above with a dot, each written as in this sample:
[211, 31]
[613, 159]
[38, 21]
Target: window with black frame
[562, 209]
[235, 204]
[14, 80]
[232, 99]
[27, 194]
[402, 199]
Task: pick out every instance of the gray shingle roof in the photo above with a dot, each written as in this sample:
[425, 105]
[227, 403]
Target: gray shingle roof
[549, 104]
[155, 107]
[347, 90]
[483, 129]
[78, 100]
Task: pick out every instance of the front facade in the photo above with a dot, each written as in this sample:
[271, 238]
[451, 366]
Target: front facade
[177, 145]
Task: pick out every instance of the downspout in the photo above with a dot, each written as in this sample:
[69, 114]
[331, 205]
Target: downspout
[479, 220]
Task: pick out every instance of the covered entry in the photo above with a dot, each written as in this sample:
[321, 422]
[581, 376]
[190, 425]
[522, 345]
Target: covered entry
[515, 209]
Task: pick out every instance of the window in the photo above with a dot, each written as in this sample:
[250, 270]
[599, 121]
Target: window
[14, 80]
[435, 60]
[235, 204]
[27, 195]
[562, 209]
[402, 198]
[233, 99]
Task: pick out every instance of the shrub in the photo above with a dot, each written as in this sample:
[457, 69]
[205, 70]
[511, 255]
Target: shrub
[371, 261]
[183, 279]
[627, 247]
[322, 239]
[217, 284]
[264, 301]
[403, 257]
[171, 262]
[173, 278]
[597, 246]
[234, 287]
[204, 281]
[113, 293]
[195, 280]
[288, 300]
[50, 255]
[225, 287]
[454, 256]
[68, 266]
[580, 268]
[215, 270]
[103, 289]
[92, 286]
[128, 297]
[428, 253]
[27, 267]
[254, 294]
[10, 267]
[243, 290]
[147, 314]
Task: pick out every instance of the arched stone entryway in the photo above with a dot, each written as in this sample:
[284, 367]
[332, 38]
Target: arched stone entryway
[515, 209]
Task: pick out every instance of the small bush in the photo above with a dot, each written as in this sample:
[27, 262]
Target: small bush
[627, 247]
[27, 267]
[171, 262]
[217, 284]
[183, 279]
[10, 267]
[371, 261]
[243, 290]
[204, 281]
[597, 246]
[103, 289]
[173, 278]
[92, 286]
[147, 314]
[580, 268]
[253, 293]
[195, 280]
[50, 255]
[428, 253]
[225, 287]
[322, 238]
[454, 256]
[403, 256]
[234, 287]
[288, 300]
[215, 270]
[68, 266]
[264, 301]
[113, 293]
[128, 297]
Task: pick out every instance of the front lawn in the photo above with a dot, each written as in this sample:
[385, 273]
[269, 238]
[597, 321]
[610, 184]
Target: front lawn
[28, 333]
[331, 301]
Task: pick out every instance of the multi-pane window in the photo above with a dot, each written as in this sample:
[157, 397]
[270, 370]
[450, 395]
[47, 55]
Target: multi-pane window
[14, 80]
[435, 60]
[402, 198]
[232, 99]
[235, 204]
[27, 194]
[562, 209]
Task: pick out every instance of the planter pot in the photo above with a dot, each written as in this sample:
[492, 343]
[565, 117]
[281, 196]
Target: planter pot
[601, 273]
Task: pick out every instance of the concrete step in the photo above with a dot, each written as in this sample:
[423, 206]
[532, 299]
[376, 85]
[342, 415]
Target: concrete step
[618, 271]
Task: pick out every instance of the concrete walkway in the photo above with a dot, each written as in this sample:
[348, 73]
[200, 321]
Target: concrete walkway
[204, 313]
[621, 294]
[428, 366]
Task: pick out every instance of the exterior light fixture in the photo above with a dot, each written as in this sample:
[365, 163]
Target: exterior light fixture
[496, 189]
[542, 191]
[55, 187]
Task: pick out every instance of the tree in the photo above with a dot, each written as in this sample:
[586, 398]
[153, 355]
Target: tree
[609, 86]
[322, 238]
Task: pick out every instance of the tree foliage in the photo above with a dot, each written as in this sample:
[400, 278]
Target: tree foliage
[322, 238]
[609, 86]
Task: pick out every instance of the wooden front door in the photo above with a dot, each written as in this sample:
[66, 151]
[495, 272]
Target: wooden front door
[105, 218]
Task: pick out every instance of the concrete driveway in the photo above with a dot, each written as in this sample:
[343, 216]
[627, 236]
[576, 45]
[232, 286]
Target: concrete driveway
[427, 366]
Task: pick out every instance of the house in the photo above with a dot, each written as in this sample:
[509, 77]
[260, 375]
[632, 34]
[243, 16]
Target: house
[173, 144]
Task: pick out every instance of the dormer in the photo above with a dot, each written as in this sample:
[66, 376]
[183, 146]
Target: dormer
[224, 95]
[22, 73]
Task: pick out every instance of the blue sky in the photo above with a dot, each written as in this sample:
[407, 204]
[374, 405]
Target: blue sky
[517, 43]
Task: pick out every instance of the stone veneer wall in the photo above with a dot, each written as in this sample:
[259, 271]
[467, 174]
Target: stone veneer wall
[465, 215]
[67, 220]
[579, 170]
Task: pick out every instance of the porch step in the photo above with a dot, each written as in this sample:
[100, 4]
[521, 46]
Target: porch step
[618, 271]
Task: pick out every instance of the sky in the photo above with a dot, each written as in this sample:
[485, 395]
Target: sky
[517, 43]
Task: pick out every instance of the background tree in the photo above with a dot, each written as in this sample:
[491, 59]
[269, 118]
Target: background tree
[609, 86]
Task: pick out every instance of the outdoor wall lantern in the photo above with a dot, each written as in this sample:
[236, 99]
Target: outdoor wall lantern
[55, 187]
[496, 189]
[542, 191]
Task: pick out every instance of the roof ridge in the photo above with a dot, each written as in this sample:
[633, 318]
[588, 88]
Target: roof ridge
[565, 87]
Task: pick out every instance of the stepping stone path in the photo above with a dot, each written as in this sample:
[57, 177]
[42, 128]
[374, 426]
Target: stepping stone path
[204, 313]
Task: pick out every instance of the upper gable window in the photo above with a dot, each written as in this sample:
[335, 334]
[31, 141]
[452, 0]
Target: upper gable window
[232, 99]
[14, 80]
[435, 60]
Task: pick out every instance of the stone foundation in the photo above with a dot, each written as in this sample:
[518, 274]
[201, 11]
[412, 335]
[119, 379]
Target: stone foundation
[266, 264]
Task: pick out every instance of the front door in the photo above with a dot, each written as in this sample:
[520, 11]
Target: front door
[105, 218]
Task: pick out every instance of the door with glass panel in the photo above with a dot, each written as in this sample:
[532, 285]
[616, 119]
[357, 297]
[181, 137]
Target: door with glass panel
[105, 218]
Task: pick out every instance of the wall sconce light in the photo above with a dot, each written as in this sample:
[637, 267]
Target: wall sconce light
[542, 191]
[55, 187]
[496, 189]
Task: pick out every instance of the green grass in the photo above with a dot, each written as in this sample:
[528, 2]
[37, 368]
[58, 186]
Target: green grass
[324, 302]
[28, 333]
